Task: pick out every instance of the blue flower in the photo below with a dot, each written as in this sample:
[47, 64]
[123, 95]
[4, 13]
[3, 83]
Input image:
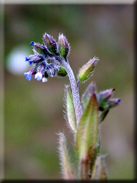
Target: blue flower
[28, 75]
[30, 62]
[26, 59]
[38, 76]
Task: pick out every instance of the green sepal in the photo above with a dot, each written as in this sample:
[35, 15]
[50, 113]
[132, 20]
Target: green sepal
[87, 70]
[62, 72]
[63, 45]
[63, 52]
[51, 44]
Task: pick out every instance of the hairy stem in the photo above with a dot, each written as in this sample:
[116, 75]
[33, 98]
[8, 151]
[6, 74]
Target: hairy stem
[75, 91]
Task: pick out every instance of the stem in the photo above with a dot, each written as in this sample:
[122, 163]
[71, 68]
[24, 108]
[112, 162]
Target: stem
[84, 169]
[75, 91]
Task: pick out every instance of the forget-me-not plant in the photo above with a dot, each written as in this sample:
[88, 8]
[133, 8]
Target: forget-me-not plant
[84, 116]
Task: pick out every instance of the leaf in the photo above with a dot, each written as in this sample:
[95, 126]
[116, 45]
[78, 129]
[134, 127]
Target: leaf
[87, 131]
[70, 111]
[99, 171]
[87, 94]
[64, 158]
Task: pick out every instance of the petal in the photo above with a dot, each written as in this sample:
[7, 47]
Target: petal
[44, 79]
[26, 59]
[30, 62]
[38, 76]
[28, 75]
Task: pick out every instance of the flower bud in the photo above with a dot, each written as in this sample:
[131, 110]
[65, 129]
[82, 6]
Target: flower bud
[113, 102]
[86, 71]
[103, 98]
[62, 72]
[106, 94]
[41, 49]
[63, 44]
[50, 43]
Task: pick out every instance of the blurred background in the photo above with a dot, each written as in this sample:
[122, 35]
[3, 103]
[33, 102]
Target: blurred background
[34, 110]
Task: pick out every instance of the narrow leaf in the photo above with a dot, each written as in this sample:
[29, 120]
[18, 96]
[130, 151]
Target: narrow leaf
[99, 171]
[87, 131]
[87, 94]
[64, 158]
[70, 111]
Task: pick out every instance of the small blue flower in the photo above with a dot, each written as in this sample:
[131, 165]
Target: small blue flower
[31, 43]
[30, 62]
[26, 59]
[38, 76]
[28, 75]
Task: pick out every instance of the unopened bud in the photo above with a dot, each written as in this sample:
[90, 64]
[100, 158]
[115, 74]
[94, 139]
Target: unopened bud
[113, 102]
[50, 43]
[106, 94]
[63, 44]
[62, 72]
[103, 98]
[87, 70]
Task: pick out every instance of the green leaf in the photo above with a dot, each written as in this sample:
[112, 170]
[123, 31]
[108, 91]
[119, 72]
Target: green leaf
[99, 171]
[70, 111]
[87, 131]
[67, 170]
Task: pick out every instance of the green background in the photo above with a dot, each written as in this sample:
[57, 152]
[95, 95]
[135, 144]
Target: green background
[34, 110]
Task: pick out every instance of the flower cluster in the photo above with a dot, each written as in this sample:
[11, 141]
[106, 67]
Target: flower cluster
[50, 59]
[106, 102]
[104, 98]
[46, 60]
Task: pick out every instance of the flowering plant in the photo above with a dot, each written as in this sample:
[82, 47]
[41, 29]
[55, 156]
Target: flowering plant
[83, 116]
